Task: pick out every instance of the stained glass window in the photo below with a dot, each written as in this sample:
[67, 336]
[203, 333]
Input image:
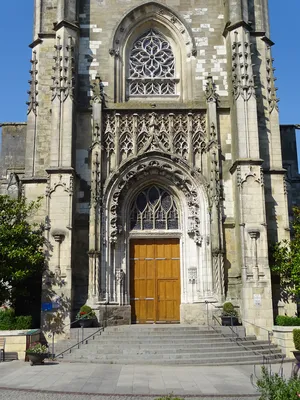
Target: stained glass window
[151, 66]
[154, 208]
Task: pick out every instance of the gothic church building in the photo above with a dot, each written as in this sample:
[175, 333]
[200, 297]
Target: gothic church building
[153, 137]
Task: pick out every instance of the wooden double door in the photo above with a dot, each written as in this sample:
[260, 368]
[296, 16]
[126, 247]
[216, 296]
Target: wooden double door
[155, 280]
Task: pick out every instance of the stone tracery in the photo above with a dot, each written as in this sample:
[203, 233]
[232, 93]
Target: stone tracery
[154, 208]
[163, 131]
[151, 66]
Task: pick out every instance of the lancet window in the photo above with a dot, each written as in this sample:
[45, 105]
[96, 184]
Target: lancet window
[151, 66]
[154, 208]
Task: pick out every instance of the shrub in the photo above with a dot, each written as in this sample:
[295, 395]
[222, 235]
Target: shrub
[7, 317]
[85, 312]
[296, 338]
[274, 387]
[228, 310]
[23, 322]
[8, 320]
[284, 320]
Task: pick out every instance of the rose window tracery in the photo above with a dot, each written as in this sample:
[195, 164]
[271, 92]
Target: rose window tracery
[151, 66]
[154, 208]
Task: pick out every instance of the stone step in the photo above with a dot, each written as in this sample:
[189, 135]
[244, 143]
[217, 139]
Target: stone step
[170, 344]
[168, 341]
[166, 352]
[142, 349]
[181, 359]
[167, 345]
[157, 329]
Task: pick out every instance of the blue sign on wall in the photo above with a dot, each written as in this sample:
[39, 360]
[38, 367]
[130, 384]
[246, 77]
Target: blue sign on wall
[46, 306]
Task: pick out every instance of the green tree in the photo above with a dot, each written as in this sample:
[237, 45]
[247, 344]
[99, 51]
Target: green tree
[21, 249]
[287, 261]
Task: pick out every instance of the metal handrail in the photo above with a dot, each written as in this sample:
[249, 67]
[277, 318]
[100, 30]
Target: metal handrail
[101, 329]
[258, 326]
[256, 352]
[229, 326]
[52, 334]
[240, 343]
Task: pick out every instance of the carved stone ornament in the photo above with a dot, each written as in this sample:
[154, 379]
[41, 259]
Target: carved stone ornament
[244, 173]
[155, 167]
[63, 79]
[65, 181]
[167, 132]
[271, 89]
[33, 103]
[242, 74]
[210, 91]
[98, 90]
[153, 11]
[120, 276]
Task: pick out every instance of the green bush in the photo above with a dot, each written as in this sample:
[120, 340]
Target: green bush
[85, 312]
[8, 321]
[23, 322]
[284, 320]
[86, 309]
[274, 387]
[296, 338]
[7, 317]
[228, 310]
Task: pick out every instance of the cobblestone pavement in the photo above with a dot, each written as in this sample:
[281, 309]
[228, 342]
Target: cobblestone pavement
[25, 395]
[68, 381]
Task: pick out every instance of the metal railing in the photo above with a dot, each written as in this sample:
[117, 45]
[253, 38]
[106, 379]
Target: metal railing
[238, 339]
[80, 342]
[51, 335]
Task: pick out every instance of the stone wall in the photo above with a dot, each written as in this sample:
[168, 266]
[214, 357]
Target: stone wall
[12, 157]
[12, 147]
[290, 163]
[283, 338]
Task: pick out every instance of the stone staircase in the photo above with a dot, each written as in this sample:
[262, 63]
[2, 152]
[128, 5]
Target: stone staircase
[168, 344]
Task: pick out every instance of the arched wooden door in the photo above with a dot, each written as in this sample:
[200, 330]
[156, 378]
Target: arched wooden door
[155, 280]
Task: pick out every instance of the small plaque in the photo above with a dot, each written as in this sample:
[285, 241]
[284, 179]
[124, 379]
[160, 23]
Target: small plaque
[257, 299]
[47, 306]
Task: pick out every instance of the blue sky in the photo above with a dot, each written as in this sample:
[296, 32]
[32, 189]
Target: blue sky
[16, 35]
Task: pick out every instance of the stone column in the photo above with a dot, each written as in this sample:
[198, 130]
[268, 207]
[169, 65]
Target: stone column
[96, 195]
[215, 191]
[248, 177]
[61, 169]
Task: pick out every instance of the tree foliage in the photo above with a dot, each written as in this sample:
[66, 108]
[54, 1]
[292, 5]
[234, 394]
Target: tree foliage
[21, 247]
[287, 260]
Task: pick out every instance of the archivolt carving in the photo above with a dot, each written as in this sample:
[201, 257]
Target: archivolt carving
[162, 13]
[161, 168]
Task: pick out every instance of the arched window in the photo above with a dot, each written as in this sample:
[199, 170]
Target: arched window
[151, 66]
[154, 208]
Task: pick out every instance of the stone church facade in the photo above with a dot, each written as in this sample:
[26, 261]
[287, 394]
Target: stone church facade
[153, 137]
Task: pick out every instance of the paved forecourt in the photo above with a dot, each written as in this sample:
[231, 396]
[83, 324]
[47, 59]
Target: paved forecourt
[78, 381]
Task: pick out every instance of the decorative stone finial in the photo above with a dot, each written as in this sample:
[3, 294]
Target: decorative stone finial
[98, 90]
[210, 91]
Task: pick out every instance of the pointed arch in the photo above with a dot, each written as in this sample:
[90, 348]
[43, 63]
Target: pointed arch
[166, 21]
[189, 185]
